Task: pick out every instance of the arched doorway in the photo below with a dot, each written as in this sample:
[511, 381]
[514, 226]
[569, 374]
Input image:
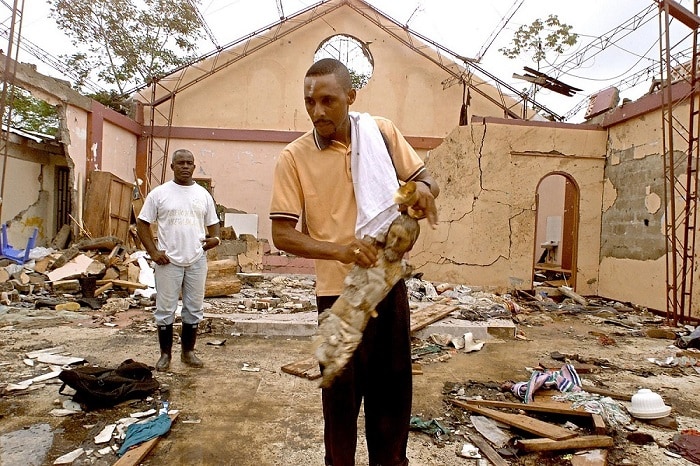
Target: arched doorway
[556, 230]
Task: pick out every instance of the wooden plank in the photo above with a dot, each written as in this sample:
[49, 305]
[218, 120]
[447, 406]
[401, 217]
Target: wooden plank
[578, 443]
[534, 406]
[421, 318]
[488, 451]
[103, 288]
[599, 424]
[610, 393]
[307, 368]
[416, 369]
[520, 421]
[135, 455]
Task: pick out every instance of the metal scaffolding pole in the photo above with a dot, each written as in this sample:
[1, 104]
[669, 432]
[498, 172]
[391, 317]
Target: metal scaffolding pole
[681, 158]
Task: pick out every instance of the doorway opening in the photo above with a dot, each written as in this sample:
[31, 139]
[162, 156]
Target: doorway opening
[556, 231]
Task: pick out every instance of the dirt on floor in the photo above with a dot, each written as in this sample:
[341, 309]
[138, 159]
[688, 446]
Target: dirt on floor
[241, 409]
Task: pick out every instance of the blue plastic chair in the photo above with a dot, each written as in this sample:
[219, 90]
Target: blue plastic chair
[17, 255]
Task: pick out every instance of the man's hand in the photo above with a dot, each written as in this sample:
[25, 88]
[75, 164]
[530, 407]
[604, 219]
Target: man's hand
[360, 253]
[424, 205]
[159, 257]
[211, 242]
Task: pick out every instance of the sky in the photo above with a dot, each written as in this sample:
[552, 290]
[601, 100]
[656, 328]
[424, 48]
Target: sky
[462, 26]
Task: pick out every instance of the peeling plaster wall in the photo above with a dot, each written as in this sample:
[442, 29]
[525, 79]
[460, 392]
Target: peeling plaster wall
[25, 202]
[75, 143]
[633, 244]
[29, 196]
[118, 151]
[489, 174]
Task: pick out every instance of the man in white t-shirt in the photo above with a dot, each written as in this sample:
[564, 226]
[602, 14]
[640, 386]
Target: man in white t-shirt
[187, 227]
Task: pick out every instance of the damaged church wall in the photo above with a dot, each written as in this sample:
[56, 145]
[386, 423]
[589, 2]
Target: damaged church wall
[28, 197]
[633, 242]
[118, 151]
[261, 97]
[489, 173]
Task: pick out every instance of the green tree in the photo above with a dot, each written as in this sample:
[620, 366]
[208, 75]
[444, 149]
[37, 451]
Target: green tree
[126, 43]
[30, 113]
[539, 38]
[358, 80]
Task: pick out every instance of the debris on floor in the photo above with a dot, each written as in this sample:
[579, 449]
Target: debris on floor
[478, 417]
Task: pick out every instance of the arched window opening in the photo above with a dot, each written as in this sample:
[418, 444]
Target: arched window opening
[353, 53]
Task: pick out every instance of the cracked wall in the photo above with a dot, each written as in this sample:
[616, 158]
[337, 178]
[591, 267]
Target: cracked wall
[633, 243]
[489, 174]
[28, 195]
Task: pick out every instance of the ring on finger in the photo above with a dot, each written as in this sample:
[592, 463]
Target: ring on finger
[357, 251]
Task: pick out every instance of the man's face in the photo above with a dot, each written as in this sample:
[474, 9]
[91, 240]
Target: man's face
[327, 104]
[183, 168]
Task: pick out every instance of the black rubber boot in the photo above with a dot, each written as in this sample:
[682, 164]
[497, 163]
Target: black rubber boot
[189, 338]
[165, 339]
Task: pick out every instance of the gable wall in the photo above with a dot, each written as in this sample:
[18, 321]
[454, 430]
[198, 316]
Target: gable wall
[265, 91]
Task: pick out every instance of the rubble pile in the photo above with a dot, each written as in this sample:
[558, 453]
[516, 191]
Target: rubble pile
[101, 282]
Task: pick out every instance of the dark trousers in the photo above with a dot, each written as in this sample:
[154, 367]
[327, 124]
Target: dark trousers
[379, 371]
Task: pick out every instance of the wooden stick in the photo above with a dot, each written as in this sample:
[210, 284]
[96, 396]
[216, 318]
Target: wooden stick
[103, 288]
[578, 443]
[535, 407]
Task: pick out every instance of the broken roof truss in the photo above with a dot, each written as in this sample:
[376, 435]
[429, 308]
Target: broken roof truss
[165, 89]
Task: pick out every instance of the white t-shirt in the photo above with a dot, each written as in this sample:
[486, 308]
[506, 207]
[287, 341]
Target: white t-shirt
[182, 213]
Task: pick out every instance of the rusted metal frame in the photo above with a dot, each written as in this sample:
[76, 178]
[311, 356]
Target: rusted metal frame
[691, 185]
[151, 180]
[668, 159]
[680, 251]
[408, 39]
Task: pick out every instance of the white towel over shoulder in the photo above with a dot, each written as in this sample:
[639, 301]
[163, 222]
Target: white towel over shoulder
[373, 177]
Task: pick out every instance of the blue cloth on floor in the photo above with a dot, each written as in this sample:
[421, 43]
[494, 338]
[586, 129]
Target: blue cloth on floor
[139, 433]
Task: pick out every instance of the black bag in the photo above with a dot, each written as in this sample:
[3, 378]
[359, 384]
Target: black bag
[99, 387]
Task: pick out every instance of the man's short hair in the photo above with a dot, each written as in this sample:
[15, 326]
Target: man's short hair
[181, 152]
[326, 66]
